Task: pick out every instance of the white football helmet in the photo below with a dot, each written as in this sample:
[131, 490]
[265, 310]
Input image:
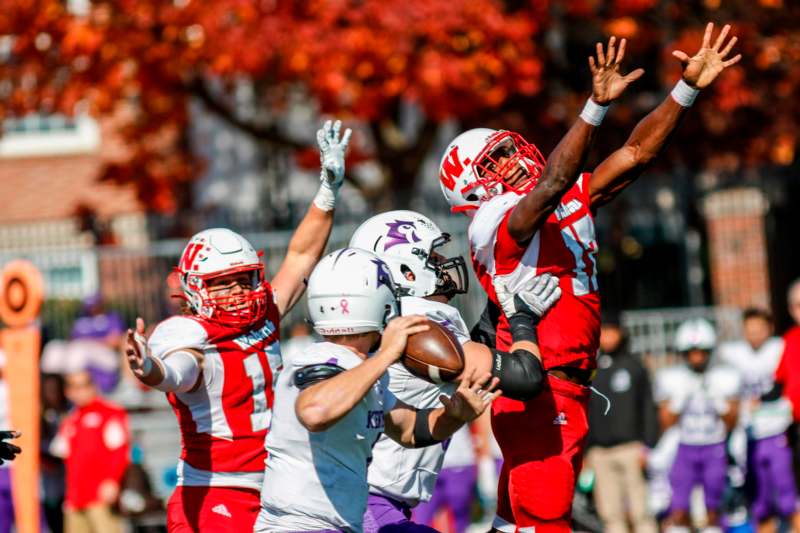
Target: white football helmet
[407, 241]
[695, 334]
[471, 169]
[218, 252]
[351, 291]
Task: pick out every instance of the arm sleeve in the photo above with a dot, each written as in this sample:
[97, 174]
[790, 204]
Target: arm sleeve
[168, 343]
[181, 371]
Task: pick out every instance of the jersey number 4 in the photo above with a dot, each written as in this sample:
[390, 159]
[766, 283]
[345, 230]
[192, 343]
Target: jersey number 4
[260, 418]
[579, 239]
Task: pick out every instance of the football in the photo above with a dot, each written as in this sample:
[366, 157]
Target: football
[434, 355]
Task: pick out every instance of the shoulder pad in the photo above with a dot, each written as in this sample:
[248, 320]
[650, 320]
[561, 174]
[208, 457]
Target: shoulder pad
[311, 374]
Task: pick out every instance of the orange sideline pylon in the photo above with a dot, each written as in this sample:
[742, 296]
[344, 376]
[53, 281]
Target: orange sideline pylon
[21, 294]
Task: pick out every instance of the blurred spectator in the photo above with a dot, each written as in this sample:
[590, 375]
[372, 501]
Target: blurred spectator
[765, 416]
[702, 400]
[788, 373]
[94, 433]
[99, 359]
[54, 409]
[98, 324]
[617, 444]
[300, 337]
[455, 486]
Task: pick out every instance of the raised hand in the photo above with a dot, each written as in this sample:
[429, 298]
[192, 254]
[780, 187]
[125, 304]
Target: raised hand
[608, 83]
[536, 296]
[331, 152]
[136, 350]
[703, 67]
[472, 397]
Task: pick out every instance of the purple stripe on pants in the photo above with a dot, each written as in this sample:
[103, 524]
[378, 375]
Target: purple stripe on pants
[694, 465]
[770, 478]
[455, 488]
[6, 502]
[385, 515]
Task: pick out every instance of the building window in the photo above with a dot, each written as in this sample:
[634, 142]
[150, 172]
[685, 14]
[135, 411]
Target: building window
[41, 135]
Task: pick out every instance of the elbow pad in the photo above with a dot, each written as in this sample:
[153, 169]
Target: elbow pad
[521, 374]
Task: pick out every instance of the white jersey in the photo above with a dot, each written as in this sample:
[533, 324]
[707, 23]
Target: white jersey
[757, 370]
[461, 450]
[698, 394]
[409, 474]
[317, 481]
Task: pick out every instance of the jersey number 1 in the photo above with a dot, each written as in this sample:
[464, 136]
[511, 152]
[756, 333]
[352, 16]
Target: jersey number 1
[579, 238]
[260, 417]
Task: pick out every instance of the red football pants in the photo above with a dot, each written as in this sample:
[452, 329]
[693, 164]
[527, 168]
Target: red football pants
[542, 441]
[212, 509]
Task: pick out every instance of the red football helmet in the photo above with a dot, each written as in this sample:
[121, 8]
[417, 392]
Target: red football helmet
[480, 163]
[215, 253]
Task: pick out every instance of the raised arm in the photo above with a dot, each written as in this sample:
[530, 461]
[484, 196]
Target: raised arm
[567, 159]
[311, 236]
[652, 133]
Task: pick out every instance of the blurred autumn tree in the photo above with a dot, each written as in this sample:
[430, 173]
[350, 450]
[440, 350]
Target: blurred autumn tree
[515, 63]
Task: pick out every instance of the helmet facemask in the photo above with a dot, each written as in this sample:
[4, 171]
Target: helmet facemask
[245, 308]
[451, 273]
[507, 163]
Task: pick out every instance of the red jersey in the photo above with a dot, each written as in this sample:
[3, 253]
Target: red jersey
[224, 422]
[92, 435]
[565, 247]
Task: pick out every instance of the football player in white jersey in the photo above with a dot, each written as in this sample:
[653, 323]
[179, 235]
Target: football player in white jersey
[415, 250]
[333, 400]
[702, 400]
[765, 417]
[218, 362]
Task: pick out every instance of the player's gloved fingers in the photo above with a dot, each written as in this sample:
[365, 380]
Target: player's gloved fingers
[9, 434]
[335, 132]
[346, 139]
[540, 284]
[322, 141]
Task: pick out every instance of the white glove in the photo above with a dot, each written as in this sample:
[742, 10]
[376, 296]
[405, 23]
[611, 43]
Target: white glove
[331, 158]
[538, 295]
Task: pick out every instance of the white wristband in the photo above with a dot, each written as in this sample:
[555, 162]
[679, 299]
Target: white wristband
[684, 94]
[326, 197]
[593, 113]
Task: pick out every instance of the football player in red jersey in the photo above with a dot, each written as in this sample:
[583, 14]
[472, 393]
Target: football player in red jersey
[531, 217]
[218, 363]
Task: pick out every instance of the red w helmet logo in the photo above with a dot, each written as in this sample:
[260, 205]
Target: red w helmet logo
[451, 169]
[189, 256]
